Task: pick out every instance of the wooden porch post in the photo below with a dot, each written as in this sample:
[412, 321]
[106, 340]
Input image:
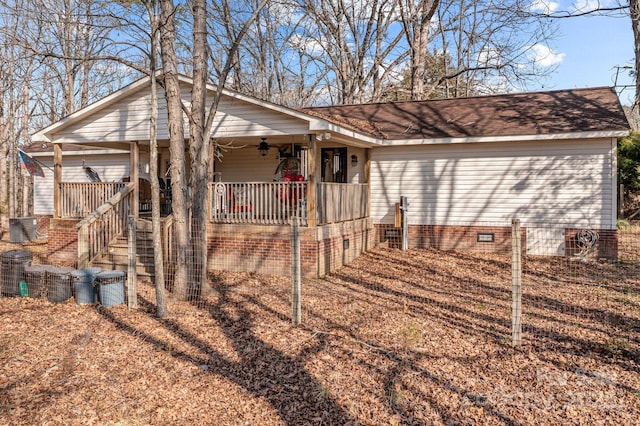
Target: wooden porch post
[134, 161]
[212, 169]
[311, 190]
[367, 177]
[57, 179]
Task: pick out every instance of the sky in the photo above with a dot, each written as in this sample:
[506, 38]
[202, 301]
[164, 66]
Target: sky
[586, 53]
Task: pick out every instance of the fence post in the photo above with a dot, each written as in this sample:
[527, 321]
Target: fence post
[132, 273]
[516, 283]
[404, 208]
[621, 201]
[83, 247]
[295, 271]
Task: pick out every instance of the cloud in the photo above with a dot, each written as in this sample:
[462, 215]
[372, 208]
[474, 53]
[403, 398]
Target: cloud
[489, 57]
[306, 44]
[544, 6]
[589, 5]
[543, 55]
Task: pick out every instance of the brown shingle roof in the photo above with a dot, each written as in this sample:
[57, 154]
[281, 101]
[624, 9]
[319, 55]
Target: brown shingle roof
[540, 113]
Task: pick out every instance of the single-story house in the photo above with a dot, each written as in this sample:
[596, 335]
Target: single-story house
[466, 165]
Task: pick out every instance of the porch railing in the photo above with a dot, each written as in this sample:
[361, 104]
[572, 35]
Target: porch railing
[341, 202]
[79, 199]
[103, 225]
[269, 203]
[275, 203]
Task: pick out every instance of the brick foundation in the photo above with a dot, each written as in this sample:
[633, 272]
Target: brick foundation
[63, 242]
[443, 237]
[267, 249]
[465, 238]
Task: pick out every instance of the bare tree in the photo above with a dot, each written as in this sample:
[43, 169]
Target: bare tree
[176, 144]
[416, 19]
[201, 131]
[161, 300]
[355, 42]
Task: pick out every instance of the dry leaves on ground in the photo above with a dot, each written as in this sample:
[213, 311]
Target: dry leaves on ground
[417, 337]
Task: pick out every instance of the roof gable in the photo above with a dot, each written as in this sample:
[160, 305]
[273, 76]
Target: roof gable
[124, 117]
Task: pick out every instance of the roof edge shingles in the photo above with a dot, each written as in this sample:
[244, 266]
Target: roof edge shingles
[518, 114]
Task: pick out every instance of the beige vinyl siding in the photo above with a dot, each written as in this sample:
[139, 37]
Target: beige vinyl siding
[568, 182]
[355, 174]
[236, 118]
[128, 120]
[124, 120]
[246, 165]
[110, 167]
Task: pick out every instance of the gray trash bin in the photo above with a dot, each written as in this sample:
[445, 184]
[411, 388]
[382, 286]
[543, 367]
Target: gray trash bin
[110, 285]
[58, 283]
[36, 278]
[12, 264]
[83, 285]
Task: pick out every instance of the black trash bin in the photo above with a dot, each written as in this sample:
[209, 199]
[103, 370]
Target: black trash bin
[110, 286]
[83, 285]
[12, 264]
[58, 283]
[36, 278]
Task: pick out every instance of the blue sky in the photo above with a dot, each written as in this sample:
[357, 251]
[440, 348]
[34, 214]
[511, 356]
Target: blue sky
[588, 50]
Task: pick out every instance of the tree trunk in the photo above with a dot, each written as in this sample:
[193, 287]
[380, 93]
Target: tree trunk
[12, 164]
[419, 47]
[176, 146]
[4, 221]
[634, 9]
[27, 181]
[162, 310]
[199, 147]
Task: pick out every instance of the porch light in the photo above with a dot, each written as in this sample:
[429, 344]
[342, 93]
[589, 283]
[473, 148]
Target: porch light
[264, 147]
[354, 160]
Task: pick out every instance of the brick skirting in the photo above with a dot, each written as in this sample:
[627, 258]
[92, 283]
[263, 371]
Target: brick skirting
[467, 238]
[63, 242]
[267, 249]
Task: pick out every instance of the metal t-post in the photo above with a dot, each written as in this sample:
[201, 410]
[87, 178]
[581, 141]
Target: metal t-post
[132, 275]
[404, 207]
[295, 272]
[516, 283]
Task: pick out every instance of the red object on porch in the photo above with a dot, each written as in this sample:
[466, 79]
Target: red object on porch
[290, 194]
[239, 201]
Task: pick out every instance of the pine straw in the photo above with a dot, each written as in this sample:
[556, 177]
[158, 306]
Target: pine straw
[417, 337]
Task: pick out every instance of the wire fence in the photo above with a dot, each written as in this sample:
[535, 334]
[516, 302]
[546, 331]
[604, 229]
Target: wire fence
[558, 286]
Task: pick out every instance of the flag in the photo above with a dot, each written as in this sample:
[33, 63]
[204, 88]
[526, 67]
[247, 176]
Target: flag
[29, 166]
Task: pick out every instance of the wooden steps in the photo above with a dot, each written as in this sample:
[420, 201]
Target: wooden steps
[117, 256]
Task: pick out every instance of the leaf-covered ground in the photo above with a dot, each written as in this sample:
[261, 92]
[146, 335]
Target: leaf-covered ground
[418, 337]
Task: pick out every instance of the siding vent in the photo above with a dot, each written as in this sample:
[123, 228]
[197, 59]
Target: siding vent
[391, 233]
[486, 237]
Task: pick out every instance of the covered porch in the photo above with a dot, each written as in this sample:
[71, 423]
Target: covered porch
[268, 164]
[95, 214]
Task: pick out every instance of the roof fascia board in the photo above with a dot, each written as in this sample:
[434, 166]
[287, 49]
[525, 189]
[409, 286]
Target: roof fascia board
[83, 152]
[320, 125]
[519, 138]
